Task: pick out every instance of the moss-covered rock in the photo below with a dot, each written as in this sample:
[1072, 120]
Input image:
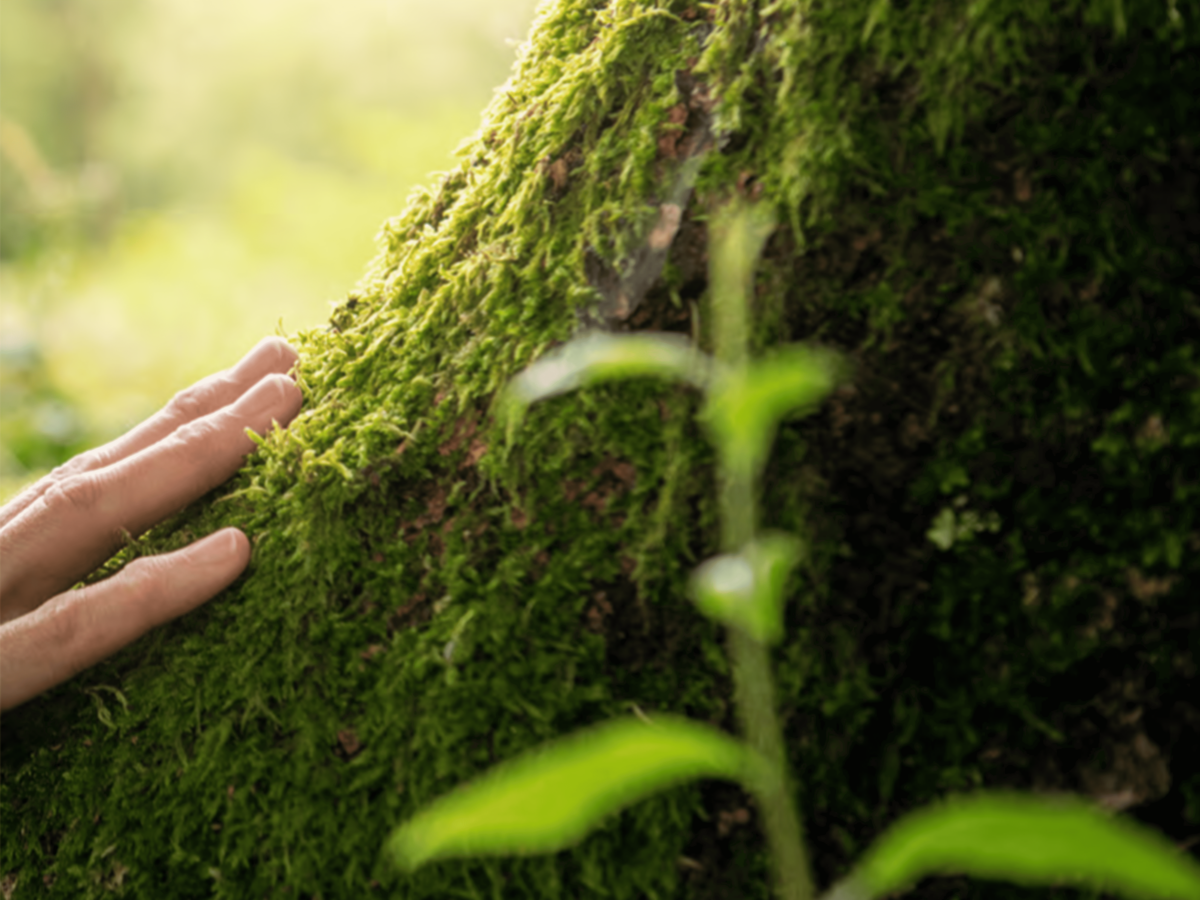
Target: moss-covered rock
[991, 208]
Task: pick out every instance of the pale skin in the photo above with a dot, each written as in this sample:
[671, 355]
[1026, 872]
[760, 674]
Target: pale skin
[64, 526]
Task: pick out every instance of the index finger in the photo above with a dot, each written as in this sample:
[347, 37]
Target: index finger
[270, 355]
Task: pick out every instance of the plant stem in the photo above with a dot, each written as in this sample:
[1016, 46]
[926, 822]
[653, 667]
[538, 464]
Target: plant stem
[741, 234]
[754, 693]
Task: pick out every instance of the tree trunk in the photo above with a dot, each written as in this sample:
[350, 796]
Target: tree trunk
[990, 208]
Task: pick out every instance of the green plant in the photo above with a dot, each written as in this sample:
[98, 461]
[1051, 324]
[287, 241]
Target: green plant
[549, 799]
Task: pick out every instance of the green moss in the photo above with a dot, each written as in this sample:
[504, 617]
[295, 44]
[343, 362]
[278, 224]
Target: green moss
[991, 208]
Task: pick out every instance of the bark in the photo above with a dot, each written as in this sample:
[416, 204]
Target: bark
[991, 209]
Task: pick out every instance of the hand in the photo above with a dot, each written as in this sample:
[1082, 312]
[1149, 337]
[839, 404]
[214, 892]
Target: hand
[75, 518]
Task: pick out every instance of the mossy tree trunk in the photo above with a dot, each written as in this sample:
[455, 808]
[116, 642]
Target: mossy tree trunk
[991, 208]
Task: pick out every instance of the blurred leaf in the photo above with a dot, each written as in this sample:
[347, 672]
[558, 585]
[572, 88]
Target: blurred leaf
[949, 528]
[744, 407]
[1026, 840]
[942, 531]
[551, 797]
[745, 590]
[599, 357]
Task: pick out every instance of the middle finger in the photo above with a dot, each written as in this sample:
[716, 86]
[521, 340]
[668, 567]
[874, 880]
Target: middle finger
[269, 355]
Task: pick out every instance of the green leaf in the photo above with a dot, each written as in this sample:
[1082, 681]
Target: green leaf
[745, 406]
[598, 357]
[1026, 840]
[745, 590]
[550, 798]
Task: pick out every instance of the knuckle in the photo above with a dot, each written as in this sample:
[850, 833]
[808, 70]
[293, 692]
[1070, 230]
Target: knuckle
[74, 493]
[188, 403]
[135, 591]
[144, 578]
[63, 628]
[66, 470]
[76, 465]
[194, 440]
[142, 583]
[223, 385]
[202, 397]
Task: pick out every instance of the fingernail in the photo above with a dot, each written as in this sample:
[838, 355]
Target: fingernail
[275, 394]
[273, 354]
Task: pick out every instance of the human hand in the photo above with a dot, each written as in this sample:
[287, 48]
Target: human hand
[75, 518]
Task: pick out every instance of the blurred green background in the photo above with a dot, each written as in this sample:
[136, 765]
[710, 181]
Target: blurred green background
[180, 178]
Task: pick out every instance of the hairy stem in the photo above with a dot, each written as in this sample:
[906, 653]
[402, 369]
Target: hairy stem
[754, 692]
[740, 238]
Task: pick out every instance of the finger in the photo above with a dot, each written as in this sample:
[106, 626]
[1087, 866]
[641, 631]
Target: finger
[269, 355]
[81, 521]
[77, 629]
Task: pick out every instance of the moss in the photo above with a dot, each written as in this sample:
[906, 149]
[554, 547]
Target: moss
[990, 208]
